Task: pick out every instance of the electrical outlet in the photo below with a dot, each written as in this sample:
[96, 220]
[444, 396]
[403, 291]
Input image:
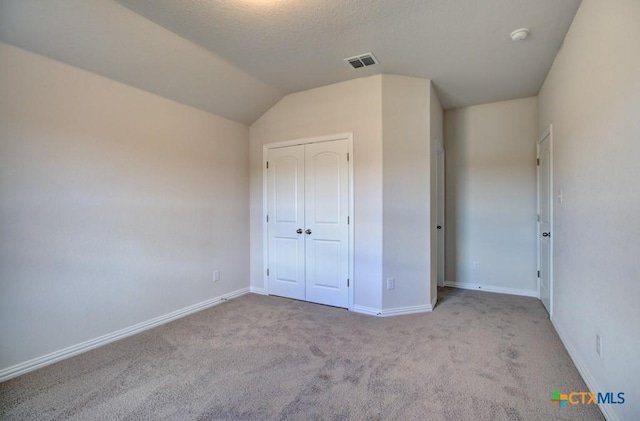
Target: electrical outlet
[598, 345]
[216, 275]
[476, 265]
[391, 283]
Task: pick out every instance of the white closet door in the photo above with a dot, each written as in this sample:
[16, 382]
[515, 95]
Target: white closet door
[285, 204]
[308, 231]
[326, 227]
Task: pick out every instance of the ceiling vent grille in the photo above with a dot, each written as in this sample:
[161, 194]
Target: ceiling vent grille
[362, 60]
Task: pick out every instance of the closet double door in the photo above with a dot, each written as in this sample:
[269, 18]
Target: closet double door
[308, 217]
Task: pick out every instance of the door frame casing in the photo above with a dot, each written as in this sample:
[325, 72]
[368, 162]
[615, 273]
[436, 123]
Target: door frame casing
[265, 227]
[548, 133]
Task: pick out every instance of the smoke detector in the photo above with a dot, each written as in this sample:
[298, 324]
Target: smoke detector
[520, 34]
[363, 60]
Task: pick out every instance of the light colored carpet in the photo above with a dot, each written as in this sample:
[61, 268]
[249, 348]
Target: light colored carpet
[478, 356]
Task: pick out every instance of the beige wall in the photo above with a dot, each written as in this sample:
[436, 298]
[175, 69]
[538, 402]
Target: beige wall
[389, 117]
[491, 195]
[354, 106]
[592, 98]
[406, 191]
[115, 206]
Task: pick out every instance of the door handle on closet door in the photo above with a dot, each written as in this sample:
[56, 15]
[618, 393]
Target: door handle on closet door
[299, 231]
[308, 231]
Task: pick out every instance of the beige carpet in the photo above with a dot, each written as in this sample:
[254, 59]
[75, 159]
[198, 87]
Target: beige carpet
[478, 356]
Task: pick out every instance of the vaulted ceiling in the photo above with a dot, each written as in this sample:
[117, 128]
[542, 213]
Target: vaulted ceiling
[236, 58]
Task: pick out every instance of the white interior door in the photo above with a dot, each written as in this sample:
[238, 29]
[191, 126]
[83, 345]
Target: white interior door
[285, 204]
[440, 209]
[544, 224]
[327, 230]
[308, 227]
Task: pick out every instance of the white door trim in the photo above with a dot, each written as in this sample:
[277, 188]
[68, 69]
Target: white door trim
[548, 133]
[265, 232]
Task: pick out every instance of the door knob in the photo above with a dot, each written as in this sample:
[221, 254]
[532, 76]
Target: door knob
[308, 231]
[299, 230]
[546, 234]
[439, 227]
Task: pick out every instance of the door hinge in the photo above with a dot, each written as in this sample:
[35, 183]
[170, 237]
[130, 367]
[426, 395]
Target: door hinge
[267, 218]
[538, 217]
[348, 220]
[267, 164]
[537, 162]
[347, 283]
[347, 156]
[538, 274]
[267, 272]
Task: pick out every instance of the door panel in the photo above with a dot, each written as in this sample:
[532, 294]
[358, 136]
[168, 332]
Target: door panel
[327, 274]
[544, 200]
[326, 213]
[286, 178]
[287, 259]
[285, 204]
[325, 176]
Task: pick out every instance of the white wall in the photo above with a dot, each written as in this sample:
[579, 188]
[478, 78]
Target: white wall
[592, 97]
[115, 206]
[491, 195]
[353, 106]
[406, 193]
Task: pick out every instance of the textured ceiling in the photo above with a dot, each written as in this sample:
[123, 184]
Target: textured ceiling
[254, 51]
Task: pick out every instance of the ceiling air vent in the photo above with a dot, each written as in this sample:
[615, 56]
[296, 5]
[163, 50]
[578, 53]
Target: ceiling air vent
[362, 60]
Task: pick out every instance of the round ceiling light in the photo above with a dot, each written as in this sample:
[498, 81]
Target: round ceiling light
[519, 34]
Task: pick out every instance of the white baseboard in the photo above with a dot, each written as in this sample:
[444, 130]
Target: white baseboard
[367, 310]
[425, 308]
[606, 410]
[258, 290]
[491, 288]
[33, 364]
